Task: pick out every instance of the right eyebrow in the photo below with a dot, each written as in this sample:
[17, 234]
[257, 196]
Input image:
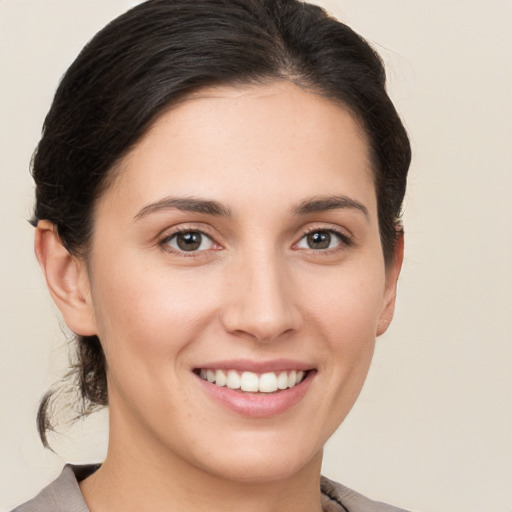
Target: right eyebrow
[186, 204]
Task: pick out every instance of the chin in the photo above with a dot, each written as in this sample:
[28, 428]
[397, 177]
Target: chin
[277, 458]
[264, 470]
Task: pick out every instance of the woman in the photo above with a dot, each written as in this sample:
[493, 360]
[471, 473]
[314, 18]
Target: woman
[218, 194]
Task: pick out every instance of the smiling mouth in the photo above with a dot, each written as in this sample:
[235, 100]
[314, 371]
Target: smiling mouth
[251, 382]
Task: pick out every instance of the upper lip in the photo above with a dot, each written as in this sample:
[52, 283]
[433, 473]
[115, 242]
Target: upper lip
[249, 365]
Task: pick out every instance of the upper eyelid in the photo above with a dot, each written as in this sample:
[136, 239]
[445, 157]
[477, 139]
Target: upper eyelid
[343, 232]
[184, 228]
[170, 236]
[325, 228]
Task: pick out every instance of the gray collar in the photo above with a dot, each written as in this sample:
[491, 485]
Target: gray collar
[63, 495]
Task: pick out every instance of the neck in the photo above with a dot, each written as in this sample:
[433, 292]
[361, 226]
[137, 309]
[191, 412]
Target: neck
[141, 476]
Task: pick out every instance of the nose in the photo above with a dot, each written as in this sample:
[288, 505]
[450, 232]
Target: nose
[261, 301]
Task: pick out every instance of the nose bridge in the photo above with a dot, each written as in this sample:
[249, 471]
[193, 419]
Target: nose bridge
[262, 304]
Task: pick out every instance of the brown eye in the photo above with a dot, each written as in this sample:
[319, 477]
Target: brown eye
[322, 239]
[319, 240]
[189, 241]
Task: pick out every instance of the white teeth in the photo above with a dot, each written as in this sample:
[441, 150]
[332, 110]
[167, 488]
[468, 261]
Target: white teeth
[282, 380]
[252, 382]
[220, 378]
[249, 381]
[292, 378]
[233, 380]
[268, 383]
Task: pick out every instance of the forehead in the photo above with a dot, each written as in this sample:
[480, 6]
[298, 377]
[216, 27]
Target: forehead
[252, 143]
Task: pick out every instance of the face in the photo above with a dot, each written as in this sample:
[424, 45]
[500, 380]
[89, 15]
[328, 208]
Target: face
[237, 281]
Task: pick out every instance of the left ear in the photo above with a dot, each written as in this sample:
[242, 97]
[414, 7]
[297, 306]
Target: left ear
[392, 272]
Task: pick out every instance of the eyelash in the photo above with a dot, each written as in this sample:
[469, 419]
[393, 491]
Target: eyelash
[345, 240]
[164, 242]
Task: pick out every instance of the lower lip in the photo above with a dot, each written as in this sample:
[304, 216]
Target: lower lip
[258, 405]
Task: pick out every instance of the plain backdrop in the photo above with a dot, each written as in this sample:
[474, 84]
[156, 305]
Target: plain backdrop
[432, 430]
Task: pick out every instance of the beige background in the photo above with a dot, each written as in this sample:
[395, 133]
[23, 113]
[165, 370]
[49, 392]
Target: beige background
[432, 430]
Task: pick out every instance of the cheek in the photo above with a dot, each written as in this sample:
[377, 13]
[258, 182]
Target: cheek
[348, 303]
[148, 315]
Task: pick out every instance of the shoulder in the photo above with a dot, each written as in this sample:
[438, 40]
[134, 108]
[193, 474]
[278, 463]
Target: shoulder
[63, 494]
[338, 498]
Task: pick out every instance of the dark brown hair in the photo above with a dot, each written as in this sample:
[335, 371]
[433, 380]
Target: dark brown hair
[160, 52]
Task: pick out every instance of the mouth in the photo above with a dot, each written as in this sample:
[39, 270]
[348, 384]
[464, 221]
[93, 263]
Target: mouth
[256, 389]
[252, 382]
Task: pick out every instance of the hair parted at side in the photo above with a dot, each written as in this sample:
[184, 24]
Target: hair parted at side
[161, 51]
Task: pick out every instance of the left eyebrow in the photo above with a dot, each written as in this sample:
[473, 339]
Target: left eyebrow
[187, 204]
[326, 203]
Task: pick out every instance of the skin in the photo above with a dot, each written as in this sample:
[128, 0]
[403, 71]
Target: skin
[256, 292]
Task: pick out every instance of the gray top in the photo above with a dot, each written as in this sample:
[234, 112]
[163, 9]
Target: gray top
[63, 495]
